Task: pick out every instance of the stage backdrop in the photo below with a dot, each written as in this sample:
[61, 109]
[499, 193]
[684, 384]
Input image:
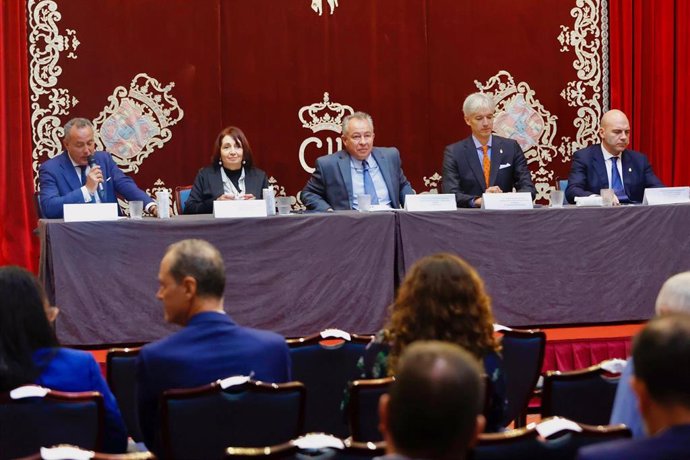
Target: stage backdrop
[160, 78]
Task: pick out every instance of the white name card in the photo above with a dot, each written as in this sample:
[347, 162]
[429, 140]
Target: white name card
[239, 208]
[666, 195]
[517, 200]
[430, 202]
[89, 212]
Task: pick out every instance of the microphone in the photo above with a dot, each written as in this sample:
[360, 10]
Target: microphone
[92, 162]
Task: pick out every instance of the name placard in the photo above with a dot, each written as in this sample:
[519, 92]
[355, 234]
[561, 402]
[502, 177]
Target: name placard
[430, 202]
[89, 212]
[517, 200]
[239, 208]
[666, 195]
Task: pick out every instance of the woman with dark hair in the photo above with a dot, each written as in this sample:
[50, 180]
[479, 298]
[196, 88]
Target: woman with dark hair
[441, 298]
[29, 352]
[231, 175]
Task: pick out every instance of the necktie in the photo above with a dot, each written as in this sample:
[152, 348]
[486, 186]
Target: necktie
[486, 164]
[83, 174]
[369, 188]
[617, 183]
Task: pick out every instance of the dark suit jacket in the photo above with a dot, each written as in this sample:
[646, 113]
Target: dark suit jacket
[671, 444]
[208, 186]
[331, 184]
[60, 184]
[210, 347]
[588, 174]
[463, 174]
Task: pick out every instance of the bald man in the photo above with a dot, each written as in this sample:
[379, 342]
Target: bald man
[611, 165]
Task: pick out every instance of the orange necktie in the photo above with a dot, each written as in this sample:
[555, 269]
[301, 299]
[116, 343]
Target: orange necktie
[486, 164]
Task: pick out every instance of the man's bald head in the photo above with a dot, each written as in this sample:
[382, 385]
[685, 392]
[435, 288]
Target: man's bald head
[614, 131]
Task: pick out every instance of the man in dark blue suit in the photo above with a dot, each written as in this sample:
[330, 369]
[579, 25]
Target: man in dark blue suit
[661, 380]
[359, 169]
[483, 162]
[69, 178]
[211, 345]
[611, 165]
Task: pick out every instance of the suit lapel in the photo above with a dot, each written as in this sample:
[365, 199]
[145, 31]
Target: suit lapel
[496, 158]
[69, 172]
[600, 166]
[627, 164]
[344, 166]
[385, 169]
[216, 183]
[470, 153]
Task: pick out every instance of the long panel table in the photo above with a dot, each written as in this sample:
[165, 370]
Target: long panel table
[298, 274]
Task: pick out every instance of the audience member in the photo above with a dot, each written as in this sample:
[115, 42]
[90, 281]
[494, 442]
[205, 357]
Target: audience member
[433, 409]
[82, 175]
[359, 169]
[29, 351]
[231, 175]
[661, 381]
[211, 345]
[441, 298]
[597, 167]
[674, 297]
[483, 162]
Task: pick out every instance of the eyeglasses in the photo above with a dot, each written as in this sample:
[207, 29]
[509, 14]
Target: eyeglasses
[358, 137]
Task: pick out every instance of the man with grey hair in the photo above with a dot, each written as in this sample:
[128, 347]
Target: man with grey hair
[483, 162]
[359, 169]
[433, 409]
[82, 175]
[674, 297]
[210, 346]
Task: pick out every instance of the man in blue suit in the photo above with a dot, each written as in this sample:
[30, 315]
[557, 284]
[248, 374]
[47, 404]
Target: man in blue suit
[359, 169]
[211, 345]
[661, 380]
[69, 178]
[611, 165]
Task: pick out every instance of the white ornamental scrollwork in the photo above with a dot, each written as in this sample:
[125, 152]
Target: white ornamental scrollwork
[317, 6]
[137, 121]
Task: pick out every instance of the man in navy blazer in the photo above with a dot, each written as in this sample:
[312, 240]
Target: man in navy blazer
[661, 380]
[69, 178]
[211, 345]
[359, 169]
[592, 170]
[483, 162]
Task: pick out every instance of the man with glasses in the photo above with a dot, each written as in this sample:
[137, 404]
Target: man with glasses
[359, 169]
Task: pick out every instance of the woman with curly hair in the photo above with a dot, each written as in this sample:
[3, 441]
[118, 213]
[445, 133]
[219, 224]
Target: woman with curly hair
[441, 298]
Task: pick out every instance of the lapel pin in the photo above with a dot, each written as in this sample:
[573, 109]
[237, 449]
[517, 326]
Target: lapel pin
[629, 169]
[500, 150]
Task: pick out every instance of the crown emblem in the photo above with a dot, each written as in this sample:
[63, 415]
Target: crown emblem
[325, 115]
[137, 121]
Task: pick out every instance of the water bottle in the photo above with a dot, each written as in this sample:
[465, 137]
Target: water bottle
[163, 204]
[269, 197]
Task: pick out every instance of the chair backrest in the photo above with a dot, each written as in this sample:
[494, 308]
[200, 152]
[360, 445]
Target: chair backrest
[355, 450]
[181, 195]
[325, 365]
[284, 451]
[37, 205]
[523, 357]
[363, 408]
[32, 417]
[202, 422]
[349, 450]
[121, 373]
[584, 396]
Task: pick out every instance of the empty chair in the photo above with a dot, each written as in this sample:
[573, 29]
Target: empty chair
[585, 396]
[121, 373]
[202, 422]
[363, 408]
[523, 357]
[32, 417]
[181, 195]
[325, 363]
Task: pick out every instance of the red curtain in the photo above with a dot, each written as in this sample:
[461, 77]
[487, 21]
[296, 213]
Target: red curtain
[17, 215]
[649, 77]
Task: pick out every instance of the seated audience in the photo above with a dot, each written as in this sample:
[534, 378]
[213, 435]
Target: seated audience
[433, 409]
[29, 351]
[661, 381]
[210, 346]
[441, 298]
[674, 297]
[230, 176]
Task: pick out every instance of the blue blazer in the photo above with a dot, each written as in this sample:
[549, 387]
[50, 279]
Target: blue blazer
[588, 174]
[208, 186]
[331, 184]
[210, 347]
[60, 184]
[672, 443]
[463, 174]
[64, 369]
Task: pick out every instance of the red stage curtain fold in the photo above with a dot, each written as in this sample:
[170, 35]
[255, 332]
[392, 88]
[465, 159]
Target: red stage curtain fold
[649, 68]
[17, 215]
